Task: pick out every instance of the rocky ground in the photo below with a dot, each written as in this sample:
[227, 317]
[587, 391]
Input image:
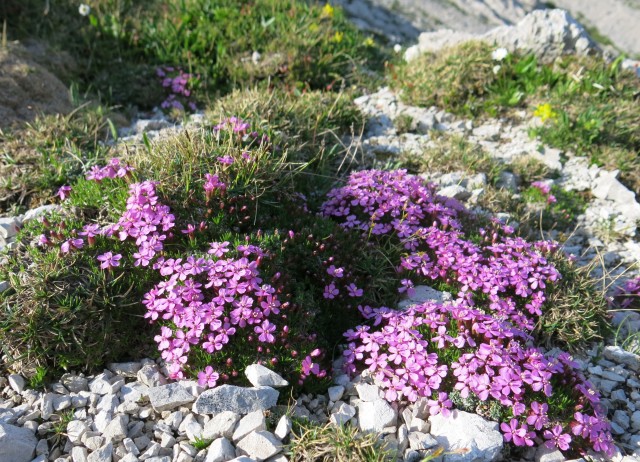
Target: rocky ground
[131, 413]
[403, 20]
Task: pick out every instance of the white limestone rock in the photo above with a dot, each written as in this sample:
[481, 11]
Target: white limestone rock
[335, 392]
[342, 414]
[376, 415]
[253, 421]
[259, 445]
[151, 376]
[129, 369]
[546, 33]
[116, 431]
[170, 396]
[16, 444]
[76, 430]
[235, 399]
[424, 294]
[221, 425]
[260, 376]
[102, 454]
[16, 382]
[220, 450]
[460, 429]
[283, 428]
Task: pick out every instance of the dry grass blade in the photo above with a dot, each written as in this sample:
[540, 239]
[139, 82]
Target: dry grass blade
[314, 443]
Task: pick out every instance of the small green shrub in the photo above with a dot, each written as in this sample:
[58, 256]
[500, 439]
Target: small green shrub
[37, 159]
[328, 443]
[576, 311]
[66, 313]
[456, 78]
[227, 43]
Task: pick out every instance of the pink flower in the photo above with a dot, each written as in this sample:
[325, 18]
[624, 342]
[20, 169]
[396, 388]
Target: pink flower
[71, 244]
[330, 291]
[225, 160]
[64, 192]
[218, 249]
[353, 290]
[556, 438]
[309, 367]
[109, 260]
[208, 378]
[265, 330]
[519, 434]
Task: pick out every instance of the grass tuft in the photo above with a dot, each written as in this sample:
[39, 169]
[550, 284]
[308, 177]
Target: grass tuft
[326, 443]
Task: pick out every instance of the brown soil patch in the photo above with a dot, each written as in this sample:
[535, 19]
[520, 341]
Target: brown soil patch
[27, 89]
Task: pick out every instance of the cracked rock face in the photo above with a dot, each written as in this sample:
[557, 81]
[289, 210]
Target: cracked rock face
[546, 33]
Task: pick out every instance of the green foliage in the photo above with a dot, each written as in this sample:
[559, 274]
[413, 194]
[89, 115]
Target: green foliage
[456, 78]
[593, 103]
[562, 213]
[52, 151]
[67, 313]
[300, 44]
[201, 443]
[309, 126]
[327, 443]
[576, 310]
[452, 153]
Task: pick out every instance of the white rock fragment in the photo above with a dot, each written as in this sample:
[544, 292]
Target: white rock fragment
[462, 430]
[220, 450]
[253, 421]
[335, 392]
[376, 415]
[259, 445]
[283, 428]
[260, 376]
[235, 399]
[16, 382]
[16, 444]
[168, 397]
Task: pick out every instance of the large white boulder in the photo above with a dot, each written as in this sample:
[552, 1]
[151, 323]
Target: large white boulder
[480, 438]
[546, 33]
[16, 444]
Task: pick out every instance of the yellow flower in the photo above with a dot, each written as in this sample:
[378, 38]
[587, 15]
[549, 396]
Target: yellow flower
[368, 42]
[545, 112]
[328, 10]
[313, 27]
[337, 37]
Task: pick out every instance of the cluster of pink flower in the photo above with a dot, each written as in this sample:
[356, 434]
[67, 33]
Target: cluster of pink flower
[240, 127]
[180, 86]
[384, 202]
[501, 291]
[545, 189]
[234, 123]
[406, 353]
[114, 169]
[627, 296]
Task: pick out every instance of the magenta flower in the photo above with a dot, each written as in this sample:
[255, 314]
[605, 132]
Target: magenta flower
[225, 160]
[208, 378]
[109, 260]
[557, 438]
[265, 330]
[538, 417]
[64, 192]
[218, 249]
[309, 367]
[353, 290]
[71, 244]
[516, 433]
[330, 291]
